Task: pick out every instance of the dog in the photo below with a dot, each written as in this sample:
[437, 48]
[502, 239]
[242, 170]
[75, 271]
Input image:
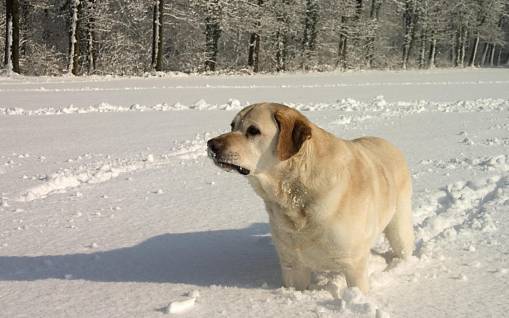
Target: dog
[328, 199]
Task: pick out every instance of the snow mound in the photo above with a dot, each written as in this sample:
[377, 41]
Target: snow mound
[67, 179]
[378, 105]
[181, 306]
[463, 207]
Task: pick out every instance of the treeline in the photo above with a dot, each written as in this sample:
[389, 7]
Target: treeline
[51, 37]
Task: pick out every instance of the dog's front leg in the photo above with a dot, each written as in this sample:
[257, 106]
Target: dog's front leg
[295, 275]
[356, 273]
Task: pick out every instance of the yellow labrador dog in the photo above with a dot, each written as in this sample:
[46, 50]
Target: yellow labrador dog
[328, 199]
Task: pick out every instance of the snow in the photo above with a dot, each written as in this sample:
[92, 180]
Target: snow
[109, 206]
[181, 306]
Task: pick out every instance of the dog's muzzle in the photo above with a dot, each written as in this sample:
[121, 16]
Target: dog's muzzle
[226, 161]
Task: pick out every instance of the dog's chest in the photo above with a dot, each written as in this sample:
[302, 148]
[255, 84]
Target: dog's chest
[316, 244]
[318, 249]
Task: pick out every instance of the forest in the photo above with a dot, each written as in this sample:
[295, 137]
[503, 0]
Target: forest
[136, 37]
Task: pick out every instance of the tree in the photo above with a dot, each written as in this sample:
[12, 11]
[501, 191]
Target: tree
[481, 19]
[312, 15]
[342, 43]
[25, 27]
[91, 36]
[374, 15]
[354, 35]
[74, 37]
[157, 35]
[409, 25]
[11, 57]
[128, 37]
[430, 28]
[282, 13]
[253, 59]
[493, 33]
[212, 33]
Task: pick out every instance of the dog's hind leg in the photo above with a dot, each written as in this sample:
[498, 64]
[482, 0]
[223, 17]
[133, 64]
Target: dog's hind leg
[399, 231]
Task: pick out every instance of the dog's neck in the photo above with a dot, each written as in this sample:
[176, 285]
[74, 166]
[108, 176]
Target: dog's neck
[289, 183]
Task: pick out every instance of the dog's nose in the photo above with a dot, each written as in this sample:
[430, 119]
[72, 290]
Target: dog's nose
[214, 145]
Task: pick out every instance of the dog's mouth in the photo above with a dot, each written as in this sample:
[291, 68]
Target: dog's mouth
[227, 165]
[230, 166]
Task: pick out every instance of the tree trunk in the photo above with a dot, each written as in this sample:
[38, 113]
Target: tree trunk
[254, 45]
[460, 47]
[155, 33]
[8, 36]
[422, 53]
[452, 54]
[254, 52]
[499, 56]
[342, 45]
[160, 42]
[463, 47]
[282, 38]
[374, 15]
[409, 17]
[310, 30]
[474, 51]
[484, 53]
[46, 31]
[281, 52]
[25, 28]
[212, 33]
[74, 38]
[492, 55]
[458, 42]
[11, 57]
[432, 53]
[91, 38]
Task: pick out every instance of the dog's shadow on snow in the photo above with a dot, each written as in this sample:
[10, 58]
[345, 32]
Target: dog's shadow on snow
[240, 258]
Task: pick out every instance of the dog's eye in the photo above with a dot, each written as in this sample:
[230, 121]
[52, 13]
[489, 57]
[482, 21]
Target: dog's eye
[253, 131]
[232, 125]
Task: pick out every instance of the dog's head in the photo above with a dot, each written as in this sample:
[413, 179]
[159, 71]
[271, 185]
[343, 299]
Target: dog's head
[262, 136]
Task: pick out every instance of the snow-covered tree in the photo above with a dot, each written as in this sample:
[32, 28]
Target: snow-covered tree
[11, 55]
[213, 12]
[157, 35]
[312, 15]
[253, 59]
[137, 36]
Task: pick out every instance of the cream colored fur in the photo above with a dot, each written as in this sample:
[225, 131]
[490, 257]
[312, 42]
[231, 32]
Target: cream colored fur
[327, 203]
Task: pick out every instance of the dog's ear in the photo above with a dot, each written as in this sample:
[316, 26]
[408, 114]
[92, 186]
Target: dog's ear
[294, 130]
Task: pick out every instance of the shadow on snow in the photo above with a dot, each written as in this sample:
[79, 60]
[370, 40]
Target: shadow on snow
[240, 258]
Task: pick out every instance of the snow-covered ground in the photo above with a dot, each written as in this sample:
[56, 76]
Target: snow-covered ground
[110, 208]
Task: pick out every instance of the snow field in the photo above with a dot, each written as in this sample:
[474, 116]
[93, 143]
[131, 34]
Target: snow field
[119, 213]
